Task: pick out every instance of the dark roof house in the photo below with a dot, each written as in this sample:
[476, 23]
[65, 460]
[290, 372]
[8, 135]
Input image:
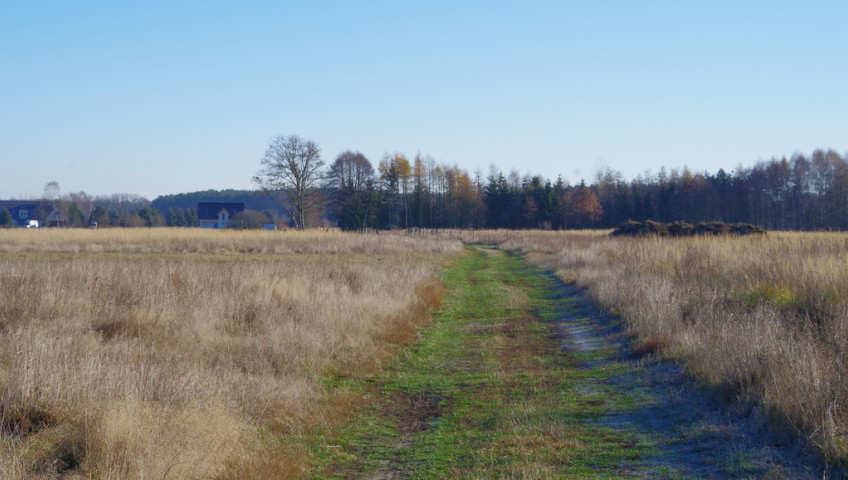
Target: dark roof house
[22, 210]
[217, 215]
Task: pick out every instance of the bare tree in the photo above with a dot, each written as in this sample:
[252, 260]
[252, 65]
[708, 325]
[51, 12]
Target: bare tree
[59, 207]
[292, 166]
[84, 202]
[51, 192]
[350, 173]
[351, 179]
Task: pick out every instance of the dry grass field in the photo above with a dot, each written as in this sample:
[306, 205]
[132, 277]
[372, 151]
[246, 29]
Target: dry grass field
[185, 354]
[765, 317]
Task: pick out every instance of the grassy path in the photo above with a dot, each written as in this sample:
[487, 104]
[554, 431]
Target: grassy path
[520, 377]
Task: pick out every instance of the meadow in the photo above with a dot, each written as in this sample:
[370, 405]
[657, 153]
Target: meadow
[763, 318]
[172, 353]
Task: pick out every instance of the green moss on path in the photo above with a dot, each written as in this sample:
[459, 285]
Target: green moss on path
[520, 377]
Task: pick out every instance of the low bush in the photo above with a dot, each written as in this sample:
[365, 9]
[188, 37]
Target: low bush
[679, 229]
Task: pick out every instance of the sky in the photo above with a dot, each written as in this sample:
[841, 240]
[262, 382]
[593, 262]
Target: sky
[162, 97]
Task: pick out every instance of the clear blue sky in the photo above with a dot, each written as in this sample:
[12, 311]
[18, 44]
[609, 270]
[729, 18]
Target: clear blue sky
[161, 97]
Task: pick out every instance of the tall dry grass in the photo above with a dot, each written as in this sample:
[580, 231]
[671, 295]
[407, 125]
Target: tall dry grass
[765, 316]
[193, 354]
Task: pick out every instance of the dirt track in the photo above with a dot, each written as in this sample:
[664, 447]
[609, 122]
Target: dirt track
[699, 433]
[473, 398]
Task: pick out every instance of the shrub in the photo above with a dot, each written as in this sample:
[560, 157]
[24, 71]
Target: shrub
[679, 229]
[249, 220]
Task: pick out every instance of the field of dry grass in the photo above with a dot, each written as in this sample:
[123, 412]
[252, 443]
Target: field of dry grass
[765, 317]
[190, 354]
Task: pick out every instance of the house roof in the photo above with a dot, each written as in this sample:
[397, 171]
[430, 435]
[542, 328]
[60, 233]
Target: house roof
[21, 210]
[15, 204]
[210, 210]
[56, 216]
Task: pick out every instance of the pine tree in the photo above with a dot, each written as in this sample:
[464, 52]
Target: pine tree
[5, 217]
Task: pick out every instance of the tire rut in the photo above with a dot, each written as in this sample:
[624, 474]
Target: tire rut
[699, 434]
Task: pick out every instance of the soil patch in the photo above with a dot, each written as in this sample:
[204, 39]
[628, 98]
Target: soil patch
[415, 412]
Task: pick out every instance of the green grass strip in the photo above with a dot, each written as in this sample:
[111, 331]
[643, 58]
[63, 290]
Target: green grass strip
[485, 393]
[488, 392]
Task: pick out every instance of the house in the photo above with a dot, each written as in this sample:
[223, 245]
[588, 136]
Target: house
[22, 211]
[57, 219]
[217, 215]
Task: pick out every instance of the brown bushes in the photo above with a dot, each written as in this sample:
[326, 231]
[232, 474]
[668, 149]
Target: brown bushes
[678, 229]
[193, 354]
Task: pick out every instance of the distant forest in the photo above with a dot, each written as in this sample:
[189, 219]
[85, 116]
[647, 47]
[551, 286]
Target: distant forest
[797, 193]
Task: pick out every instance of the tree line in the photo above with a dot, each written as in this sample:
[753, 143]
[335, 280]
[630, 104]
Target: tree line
[798, 193]
[415, 193]
[297, 188]
[78, 209]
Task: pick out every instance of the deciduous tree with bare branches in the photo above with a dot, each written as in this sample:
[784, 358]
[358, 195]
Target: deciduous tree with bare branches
[292, 166]
[351, 179]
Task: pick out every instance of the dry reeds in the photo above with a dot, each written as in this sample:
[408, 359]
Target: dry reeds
[764, 316]
[191, 354]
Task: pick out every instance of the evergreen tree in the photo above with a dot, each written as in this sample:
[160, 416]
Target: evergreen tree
[191, 217]
[152, 217]
[75, 216]
[100, 216]
[176, 217]
[5, 217]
